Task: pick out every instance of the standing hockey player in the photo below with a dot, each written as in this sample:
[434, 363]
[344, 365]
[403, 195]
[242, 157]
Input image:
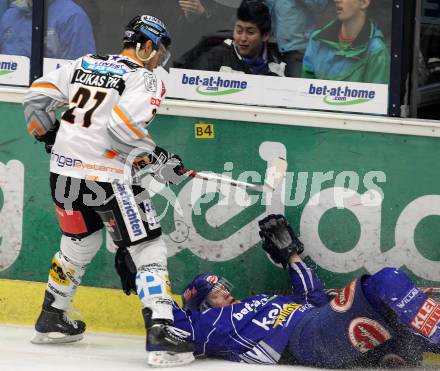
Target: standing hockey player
[380, 319]
[111, 101]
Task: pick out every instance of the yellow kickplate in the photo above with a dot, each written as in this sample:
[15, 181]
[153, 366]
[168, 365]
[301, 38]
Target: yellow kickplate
[431, 360]
[107, 310]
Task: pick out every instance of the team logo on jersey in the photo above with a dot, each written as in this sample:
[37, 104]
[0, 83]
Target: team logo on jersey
[427, 318]
[366, 334]
[252, 307]
[150, 81]
[155, 102]
[344, 299]
[288, 309]
[104, 67]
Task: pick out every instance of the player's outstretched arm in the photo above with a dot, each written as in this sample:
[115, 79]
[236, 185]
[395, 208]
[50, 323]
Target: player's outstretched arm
[282, 245]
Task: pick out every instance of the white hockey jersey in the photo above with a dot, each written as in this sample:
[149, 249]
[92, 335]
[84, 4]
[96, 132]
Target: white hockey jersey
[111, 99]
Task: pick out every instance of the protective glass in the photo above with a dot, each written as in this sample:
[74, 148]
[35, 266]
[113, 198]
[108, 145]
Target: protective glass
[165, 55]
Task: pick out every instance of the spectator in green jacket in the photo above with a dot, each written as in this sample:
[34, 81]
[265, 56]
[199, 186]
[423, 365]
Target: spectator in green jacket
[350, 48]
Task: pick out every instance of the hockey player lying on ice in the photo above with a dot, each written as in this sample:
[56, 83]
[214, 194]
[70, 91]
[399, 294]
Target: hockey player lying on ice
[382, 319]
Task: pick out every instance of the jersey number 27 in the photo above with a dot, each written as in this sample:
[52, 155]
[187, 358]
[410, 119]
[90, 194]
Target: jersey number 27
[81, 98]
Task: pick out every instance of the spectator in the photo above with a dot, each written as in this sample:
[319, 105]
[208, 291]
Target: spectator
[69, 34]
[188, 19]
[350, 48]
[292, 23]
[249, 51]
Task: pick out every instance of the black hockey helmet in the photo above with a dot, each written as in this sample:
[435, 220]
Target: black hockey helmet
[144, 27]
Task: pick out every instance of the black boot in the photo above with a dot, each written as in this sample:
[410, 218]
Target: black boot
[56, 321]
[166, 344]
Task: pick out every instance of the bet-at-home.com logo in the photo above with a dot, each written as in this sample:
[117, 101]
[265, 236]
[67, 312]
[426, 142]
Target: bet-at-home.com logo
[342, 96]
[7, 67]
[214, 86]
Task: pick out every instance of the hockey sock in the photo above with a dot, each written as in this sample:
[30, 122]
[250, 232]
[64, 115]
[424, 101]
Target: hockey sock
[64, 279]
[153, 288]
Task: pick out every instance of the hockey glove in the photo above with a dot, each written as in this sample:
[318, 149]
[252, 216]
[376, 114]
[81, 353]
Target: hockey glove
[165, 167]
[49, 138]
[126, 270]
[279, 240]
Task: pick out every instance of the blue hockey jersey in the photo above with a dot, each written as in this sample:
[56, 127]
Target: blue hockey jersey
[258, 329]
[314, 331]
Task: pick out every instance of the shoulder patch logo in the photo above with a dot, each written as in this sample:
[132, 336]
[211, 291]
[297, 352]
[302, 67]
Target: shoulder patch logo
[343, 301]
[150, 81]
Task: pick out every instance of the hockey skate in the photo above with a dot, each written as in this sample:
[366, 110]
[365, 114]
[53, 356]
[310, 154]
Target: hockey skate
[55, 326]
[166, 345]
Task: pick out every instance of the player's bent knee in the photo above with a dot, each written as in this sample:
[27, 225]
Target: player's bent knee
[148, 252]
[81, 251]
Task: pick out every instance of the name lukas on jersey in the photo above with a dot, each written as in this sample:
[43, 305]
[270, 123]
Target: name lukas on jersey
[99, 80]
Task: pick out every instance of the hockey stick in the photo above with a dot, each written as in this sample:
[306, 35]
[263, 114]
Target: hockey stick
[274, 177]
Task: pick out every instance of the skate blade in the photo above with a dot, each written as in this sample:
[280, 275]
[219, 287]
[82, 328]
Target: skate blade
[169, 359]
[54, 338]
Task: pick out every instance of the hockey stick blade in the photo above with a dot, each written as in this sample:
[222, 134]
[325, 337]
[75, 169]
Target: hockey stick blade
[275, 173]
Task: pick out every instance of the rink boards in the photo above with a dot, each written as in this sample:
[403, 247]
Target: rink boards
[362, 192]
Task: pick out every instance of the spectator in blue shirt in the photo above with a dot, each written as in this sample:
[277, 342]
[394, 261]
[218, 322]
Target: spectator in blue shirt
[68, 35]
[292, 23]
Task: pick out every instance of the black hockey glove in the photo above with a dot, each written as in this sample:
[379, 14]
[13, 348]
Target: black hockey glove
[165, 167]
[279, 240]
[49, 138]
[126, 270]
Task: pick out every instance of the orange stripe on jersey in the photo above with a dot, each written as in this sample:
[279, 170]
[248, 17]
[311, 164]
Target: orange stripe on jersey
[111, 154]
[131, 56]
[44, 85]
[34, 126]
[127, 122]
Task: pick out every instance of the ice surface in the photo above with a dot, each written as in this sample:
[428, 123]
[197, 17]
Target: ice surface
[97, 351]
